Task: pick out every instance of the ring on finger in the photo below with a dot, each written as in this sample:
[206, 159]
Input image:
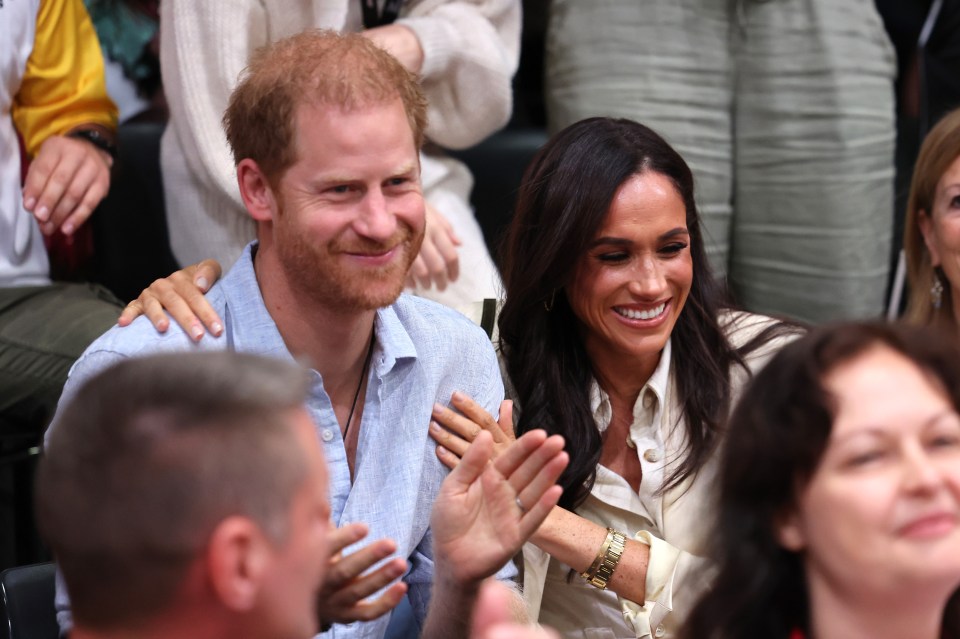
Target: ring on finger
[520, 505]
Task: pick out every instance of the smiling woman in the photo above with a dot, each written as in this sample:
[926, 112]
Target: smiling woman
[615, 334]
[840, 493]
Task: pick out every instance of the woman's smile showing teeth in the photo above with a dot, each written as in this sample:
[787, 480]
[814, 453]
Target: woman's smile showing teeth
[634, 314]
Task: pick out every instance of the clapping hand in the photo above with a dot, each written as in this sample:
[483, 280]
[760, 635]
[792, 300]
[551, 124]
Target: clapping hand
[343, 595]
[487, 509]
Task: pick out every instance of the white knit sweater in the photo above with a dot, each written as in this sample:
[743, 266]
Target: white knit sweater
[471, 50]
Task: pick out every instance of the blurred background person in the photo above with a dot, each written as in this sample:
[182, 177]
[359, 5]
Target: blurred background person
[785, 112]
[52, 95]
[839, 493]
[932, 229]
[129, 34]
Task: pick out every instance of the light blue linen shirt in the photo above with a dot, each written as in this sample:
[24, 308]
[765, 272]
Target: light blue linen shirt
[423, 352]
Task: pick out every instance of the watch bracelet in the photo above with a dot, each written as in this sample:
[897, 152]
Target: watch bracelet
[608, 557]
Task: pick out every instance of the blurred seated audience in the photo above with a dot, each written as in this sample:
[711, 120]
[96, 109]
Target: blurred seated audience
[186, 495]
[932, 231]
[839, 493]
[53, 96]
[129, 35]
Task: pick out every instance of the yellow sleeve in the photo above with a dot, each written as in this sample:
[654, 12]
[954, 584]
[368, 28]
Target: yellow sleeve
[63, 85]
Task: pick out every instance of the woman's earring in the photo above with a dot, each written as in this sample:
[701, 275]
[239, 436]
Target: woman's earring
[548, 304]
[936, 292]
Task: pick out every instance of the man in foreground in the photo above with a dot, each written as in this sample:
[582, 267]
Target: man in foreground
[186, 496]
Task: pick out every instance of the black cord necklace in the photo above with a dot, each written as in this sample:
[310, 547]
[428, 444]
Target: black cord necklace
[356, 395]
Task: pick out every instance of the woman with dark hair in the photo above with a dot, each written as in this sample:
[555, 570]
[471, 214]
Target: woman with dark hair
[839, 505]
[615, 334]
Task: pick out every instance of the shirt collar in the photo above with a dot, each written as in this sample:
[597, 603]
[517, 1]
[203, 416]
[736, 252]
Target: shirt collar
[250, 328]
[657, 384]
[392, 337]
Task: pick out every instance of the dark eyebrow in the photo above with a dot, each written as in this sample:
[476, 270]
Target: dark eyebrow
[610, 241]
[620, 241]
[672, 233]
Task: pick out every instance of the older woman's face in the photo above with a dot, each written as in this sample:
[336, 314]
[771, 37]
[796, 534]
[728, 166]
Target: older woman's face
[941, 227]
[630, 286]
[882, 510]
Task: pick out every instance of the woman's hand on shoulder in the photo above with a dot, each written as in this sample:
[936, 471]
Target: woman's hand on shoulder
[454, 432]
[180, 294]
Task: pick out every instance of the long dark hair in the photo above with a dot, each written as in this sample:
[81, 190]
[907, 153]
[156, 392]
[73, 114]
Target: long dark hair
[777, 435]
[563, 200]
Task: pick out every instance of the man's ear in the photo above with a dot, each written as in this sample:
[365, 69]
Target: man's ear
[789, 532]
[926, 228]
[238, 557]
[255, 190]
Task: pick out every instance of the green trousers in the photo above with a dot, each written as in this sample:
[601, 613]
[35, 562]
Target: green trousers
[43, 330]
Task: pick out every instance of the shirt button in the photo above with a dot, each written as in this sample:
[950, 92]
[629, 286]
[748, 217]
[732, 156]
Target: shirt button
[661, 631]
[327, 435]
[651, 455]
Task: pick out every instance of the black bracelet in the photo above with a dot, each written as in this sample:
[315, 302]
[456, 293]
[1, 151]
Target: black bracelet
[97, 139]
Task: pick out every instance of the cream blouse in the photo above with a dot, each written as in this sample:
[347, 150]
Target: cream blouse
[674, 523]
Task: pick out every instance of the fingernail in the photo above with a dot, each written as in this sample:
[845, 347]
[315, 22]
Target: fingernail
[434, 426]
[457, 396]
[29, 203]
[67, 228]
[217, 328]
[196, 332]
[202, 283]
[43, 213]
[437, 408]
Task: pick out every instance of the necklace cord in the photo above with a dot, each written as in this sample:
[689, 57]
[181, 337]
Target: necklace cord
[356, 395]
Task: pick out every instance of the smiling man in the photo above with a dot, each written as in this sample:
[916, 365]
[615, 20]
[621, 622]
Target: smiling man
[325, 130]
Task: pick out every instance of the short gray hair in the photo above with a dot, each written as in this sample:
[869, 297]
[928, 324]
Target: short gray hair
[149, 457]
